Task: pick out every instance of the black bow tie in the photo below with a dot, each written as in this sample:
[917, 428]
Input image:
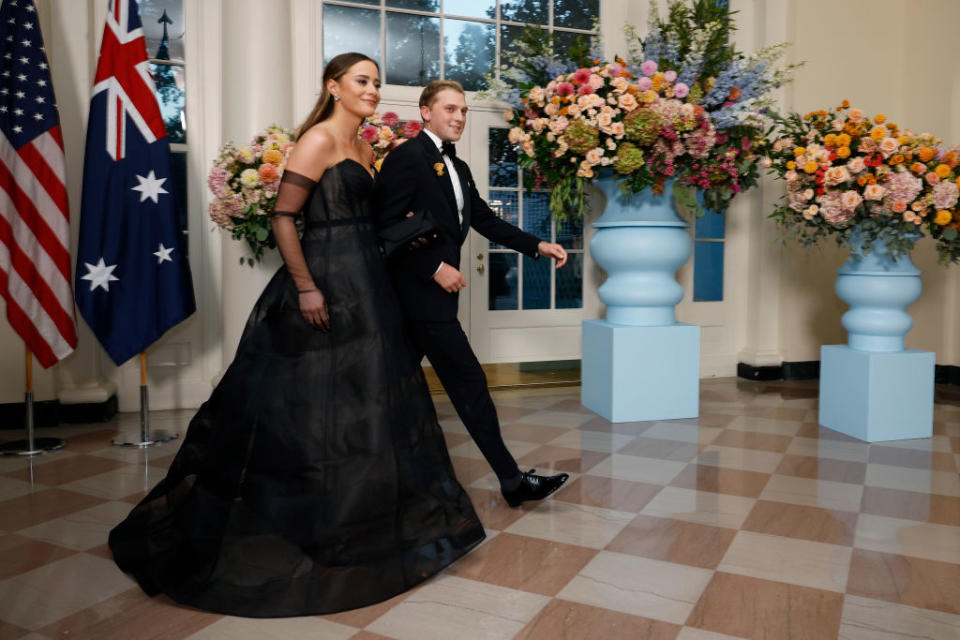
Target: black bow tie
[449, 149]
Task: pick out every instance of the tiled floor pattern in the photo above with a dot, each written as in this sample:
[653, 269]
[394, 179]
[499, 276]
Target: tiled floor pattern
[748, 522]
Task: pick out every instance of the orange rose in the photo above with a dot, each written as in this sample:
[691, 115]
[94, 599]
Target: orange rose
[843, 152]
[273, 156]
[830, 139]
[926, 154]
[880, 118]
[942, 170]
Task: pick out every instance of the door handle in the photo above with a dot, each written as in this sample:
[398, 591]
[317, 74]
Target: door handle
[480, 268]
[479, 256]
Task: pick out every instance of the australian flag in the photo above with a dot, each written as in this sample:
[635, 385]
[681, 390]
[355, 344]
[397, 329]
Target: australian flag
[132, 280]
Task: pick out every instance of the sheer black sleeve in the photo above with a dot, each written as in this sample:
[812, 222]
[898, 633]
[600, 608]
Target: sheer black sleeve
[295, 188]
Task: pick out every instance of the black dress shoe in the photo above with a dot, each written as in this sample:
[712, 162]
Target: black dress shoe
[533, 487]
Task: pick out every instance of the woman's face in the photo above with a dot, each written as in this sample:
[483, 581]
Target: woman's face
[358, 88]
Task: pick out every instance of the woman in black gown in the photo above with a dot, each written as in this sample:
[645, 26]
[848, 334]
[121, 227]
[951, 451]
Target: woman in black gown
[315, 479]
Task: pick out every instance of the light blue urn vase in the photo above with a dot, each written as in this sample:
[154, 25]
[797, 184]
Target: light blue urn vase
[639, 363]
[640, 242]
[878, 289]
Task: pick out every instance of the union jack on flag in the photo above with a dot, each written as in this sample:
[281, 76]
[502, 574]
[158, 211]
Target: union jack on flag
[132, 281]
[34, 215]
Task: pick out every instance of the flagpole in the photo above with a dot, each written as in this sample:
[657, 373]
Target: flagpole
[146, 437]
[31, 446]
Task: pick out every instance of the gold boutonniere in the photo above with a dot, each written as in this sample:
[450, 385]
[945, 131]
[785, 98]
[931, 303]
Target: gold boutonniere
[439, 167]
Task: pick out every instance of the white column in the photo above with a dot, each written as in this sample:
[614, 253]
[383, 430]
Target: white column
[257, 91]
[762, 327]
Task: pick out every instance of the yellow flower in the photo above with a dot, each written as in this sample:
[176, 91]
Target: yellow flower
[942, 170]
[843, 140]
[439, 167]
[843, 152]
[943, 217]
[903, 139]
[649, 95]
[878, 133]
[378, 164]
[273, 156]
[880, 119]
[791, 165]
[830, 139]
[799, 151]
[811, 166]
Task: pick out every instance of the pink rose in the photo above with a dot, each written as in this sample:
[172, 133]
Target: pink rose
[874, 192]
[565, 89]
[932, 178]
[899, 206]
[596, 81]
[889, 146]
[855, 165]
[836, 175]
[411, 128]
[370, 133]
[391, 119]
[644, 84]
[627, 102]
[584, 90]
[581, 76]
[850, 200]
[670, 76]
[681, 90]
[867, 145]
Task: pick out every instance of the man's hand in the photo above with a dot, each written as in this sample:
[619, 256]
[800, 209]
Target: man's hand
[553, 250]
[449, 278]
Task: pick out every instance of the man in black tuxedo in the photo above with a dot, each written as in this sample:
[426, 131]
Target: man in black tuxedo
[424, 174]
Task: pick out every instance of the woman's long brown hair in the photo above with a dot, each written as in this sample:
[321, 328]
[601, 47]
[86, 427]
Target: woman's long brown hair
[334, 70]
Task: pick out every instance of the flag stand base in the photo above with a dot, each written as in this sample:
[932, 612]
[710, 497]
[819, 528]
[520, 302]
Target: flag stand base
[146, 437]
[31, 446]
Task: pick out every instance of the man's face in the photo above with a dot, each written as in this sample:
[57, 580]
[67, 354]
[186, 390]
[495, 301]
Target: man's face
[446, 116]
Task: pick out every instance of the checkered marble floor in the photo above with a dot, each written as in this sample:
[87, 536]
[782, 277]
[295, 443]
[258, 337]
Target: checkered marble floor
[748, 522]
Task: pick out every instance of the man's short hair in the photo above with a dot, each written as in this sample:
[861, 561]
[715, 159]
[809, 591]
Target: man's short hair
[430, 91]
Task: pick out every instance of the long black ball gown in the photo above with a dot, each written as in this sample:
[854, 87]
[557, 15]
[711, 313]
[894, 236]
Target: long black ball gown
[315, 479]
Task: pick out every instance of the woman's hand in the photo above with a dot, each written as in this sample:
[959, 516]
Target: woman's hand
[313, 306]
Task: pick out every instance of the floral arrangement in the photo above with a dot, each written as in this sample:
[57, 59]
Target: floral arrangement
[864, 180]
[385, 133]
[245, 180]
[683, 105]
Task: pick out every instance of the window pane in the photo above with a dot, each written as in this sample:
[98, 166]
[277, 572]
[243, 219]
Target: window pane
[470, 8]
[413, 56]
[469, 49]
[570, 234]
[536, 283]
[536, 215]
[419, 5]
[169, 82]
[503, 281]
[155, 25]
[575, 14]
[508, 36]
[178, 167]
[503, 160]
[709, 226]
[707, 271]
[346, 29]
[565, 40]
[525, 11]
[506, 206]
[570, 283]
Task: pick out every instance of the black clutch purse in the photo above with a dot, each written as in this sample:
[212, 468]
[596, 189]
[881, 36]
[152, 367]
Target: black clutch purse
[398, 236]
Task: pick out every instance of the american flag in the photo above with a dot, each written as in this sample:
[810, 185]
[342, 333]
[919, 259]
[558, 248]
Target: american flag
[132, 278]
[34, 216]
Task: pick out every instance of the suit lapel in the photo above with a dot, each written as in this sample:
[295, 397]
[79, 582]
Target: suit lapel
[432, 155]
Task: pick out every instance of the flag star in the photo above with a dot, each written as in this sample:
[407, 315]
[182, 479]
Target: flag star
[3, 109]
[28, 25]
[20, 94]
[25, 42]
[8, 56]
[43, 65]
[99, 275]
[18, 129]
[9, 38]
[5, 91]
[40, 99]
[42, 83]
[150, 187]
[12, 21]
[18, 112]
[24, 59]
[38, 116]
[6, 74]
[163, 254]
[21, 77]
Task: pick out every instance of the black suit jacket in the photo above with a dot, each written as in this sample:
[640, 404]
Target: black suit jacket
[408, 181]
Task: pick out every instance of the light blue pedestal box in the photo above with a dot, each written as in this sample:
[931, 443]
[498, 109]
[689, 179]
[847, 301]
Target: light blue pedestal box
[876, 396]
[630, 373]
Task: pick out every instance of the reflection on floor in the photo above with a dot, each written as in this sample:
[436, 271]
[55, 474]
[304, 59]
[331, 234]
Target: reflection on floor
[748, 522]
[562, 373]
